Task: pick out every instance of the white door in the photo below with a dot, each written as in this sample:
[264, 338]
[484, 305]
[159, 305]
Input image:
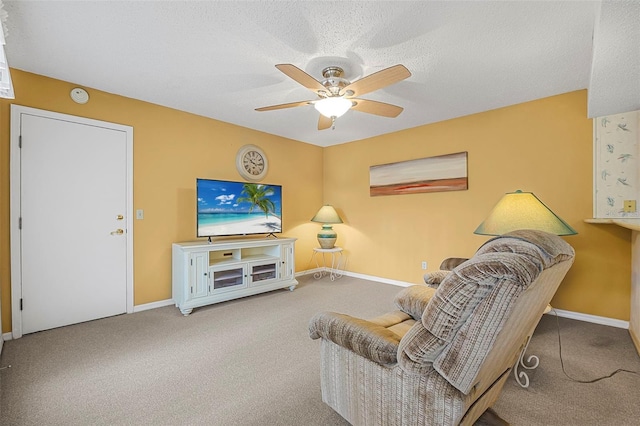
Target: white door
[73, 215]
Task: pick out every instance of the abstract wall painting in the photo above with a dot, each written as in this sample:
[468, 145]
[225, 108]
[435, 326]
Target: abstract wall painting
[432, 174]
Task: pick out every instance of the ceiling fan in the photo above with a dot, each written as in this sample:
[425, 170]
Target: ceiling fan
[337, 95]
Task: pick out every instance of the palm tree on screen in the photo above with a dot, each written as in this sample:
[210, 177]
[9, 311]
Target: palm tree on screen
[258, 196]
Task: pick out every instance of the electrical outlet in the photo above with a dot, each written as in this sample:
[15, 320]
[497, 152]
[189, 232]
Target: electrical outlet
[629, 206]
[424, 264]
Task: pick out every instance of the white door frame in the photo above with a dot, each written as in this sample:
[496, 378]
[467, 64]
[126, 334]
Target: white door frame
[16, 245]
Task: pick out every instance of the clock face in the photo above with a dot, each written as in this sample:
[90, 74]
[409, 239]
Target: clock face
[251, 162]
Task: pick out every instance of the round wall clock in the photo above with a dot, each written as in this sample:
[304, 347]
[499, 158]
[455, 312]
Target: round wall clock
[251, 162]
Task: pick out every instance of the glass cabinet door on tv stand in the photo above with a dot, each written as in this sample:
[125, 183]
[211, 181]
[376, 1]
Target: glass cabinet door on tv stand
[227, 278]
[204, 273]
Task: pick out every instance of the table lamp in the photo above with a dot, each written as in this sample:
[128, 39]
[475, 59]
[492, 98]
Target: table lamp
[327, 215]
[522, 210]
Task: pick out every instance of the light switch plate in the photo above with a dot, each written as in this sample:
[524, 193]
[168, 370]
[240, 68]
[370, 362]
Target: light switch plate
[139, 214]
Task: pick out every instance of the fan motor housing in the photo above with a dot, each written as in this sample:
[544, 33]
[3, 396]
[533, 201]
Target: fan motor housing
[333, 80]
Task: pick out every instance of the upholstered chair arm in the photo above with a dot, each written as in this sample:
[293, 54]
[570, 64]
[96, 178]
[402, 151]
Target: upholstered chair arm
[434, 278]
[413, 300]
[450, 263]
[363, 337]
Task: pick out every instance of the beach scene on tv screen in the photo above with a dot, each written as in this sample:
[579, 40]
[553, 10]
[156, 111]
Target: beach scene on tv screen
[237, 208]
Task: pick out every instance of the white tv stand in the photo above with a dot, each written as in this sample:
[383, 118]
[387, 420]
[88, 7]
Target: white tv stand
[204, 273]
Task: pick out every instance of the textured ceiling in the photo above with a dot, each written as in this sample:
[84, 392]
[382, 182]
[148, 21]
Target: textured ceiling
[216, 59]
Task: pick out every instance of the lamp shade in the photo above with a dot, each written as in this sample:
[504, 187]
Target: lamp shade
[333, 107]
[327, 214]
[522, 210]
[327, 236]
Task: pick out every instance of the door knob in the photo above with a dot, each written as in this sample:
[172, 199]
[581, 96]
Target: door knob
[119, 217]
[117, 232]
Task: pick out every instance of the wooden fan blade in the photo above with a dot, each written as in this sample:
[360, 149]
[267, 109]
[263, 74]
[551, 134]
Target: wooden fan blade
[301, 77]
[377, 80]
[377, 108]
[283, 106]
[324, 122]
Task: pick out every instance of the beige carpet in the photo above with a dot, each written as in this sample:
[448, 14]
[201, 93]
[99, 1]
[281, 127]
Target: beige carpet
[251, 362]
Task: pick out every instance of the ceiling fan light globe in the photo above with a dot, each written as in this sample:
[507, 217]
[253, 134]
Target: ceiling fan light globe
[333, 107]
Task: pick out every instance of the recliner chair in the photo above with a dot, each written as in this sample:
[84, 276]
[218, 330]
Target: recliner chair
[443, 357]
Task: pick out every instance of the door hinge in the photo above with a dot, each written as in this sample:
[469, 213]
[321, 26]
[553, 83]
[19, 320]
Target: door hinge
[19, 223]
[20, 304]
[191, 290]
[20, 141]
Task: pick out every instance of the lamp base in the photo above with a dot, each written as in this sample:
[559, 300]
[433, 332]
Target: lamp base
[327, 237]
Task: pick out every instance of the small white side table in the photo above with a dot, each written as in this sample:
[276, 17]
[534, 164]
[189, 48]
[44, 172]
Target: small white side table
[337, 262]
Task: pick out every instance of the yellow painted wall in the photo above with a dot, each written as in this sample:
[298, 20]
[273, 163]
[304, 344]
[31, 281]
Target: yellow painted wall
[544, 146]
[171, 149]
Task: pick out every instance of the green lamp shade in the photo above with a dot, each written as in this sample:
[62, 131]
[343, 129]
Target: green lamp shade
[522, 210]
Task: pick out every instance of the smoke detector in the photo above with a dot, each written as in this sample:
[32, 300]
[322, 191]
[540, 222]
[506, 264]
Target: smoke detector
[79, 96]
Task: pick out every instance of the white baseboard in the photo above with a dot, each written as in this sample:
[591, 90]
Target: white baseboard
[612, 322]
[153, 305]
[309, 271]
[356, 275]
[378, 279]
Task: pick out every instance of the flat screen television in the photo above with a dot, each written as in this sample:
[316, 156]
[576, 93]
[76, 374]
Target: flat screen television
[228, 208]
